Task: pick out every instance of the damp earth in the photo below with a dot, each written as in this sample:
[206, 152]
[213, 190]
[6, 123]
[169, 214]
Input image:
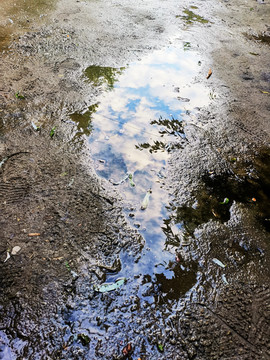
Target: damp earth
[134, 192]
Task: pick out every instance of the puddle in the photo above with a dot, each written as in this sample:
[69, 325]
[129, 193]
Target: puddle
[135, 126]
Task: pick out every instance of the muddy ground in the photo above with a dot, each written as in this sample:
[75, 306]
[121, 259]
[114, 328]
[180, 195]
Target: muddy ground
[69, 223]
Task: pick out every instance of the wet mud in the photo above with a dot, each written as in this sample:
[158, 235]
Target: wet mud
[120, 159]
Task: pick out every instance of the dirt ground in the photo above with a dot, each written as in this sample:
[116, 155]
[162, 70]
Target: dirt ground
[69, 223]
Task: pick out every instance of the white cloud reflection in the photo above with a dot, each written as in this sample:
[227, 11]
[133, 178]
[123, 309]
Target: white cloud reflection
[145, 91]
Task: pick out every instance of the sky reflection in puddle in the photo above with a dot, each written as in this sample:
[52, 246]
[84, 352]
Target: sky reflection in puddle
[161, 86]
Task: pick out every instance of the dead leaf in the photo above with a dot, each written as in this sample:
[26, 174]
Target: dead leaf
[127, 349]
[209, 74]
[34, 234]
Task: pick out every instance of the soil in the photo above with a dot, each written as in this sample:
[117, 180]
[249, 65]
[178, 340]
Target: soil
[70, 224]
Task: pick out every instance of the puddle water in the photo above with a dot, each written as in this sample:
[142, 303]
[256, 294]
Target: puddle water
[136, 124]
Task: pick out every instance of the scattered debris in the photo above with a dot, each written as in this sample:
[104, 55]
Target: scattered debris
[19, 96]
[52, 132]
[70, 183]
[131, 182]
[209, 74]
[225, 201]
[3, 161]
[218, 262]
[85, 339]
[34, 126]
[8, 256]
[105, 287]
[15, 250]
[223, 277]
[127, 349]
[145, 201]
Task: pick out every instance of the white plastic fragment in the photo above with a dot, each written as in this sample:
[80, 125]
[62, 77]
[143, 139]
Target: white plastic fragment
[223, 277]
[8, 256]
[218, 262]
[15, 250]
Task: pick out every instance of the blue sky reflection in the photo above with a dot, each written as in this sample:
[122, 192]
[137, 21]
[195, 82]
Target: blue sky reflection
[147, 90]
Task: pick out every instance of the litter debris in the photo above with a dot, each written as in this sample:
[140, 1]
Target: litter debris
[225, 201]
[127, 349]
[130, 178]
[223, 277]
[218, 262]
[3, 161]
[85, 339]
[8, 256]
[209, 74]
[19, 96]
[52, 132]
[34, 126]
[105, 287]
[15, 250]
[70, 183]
[145, 201]
[34, 234]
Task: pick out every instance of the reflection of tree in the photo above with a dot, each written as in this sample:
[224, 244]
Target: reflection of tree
[169, 127]
[84, 121]
[182, 280]
[99, 75]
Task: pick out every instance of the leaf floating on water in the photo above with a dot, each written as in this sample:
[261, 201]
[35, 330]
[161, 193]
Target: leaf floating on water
[85, 339]
[131, 182]
[209, 74]
[145, 201]
[15, 250]
[127, 349]
[218, 262]
[105, 287]
[8, 256]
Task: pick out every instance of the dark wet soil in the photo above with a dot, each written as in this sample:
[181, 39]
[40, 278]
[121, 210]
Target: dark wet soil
[211, 299]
